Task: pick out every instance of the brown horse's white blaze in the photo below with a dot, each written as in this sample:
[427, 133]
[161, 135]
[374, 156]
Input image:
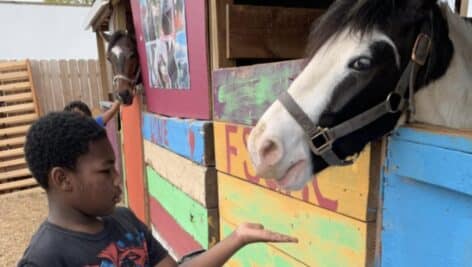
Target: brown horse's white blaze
[349, 66]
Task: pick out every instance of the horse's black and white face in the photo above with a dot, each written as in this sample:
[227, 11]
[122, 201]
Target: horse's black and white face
[359, 51]
[123, 56]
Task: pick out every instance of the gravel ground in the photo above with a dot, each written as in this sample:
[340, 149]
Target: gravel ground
[21, 213]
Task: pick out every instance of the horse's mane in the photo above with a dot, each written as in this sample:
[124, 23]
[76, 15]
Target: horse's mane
[361, 16]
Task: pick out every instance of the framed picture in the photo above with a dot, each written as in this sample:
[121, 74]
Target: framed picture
[172, 44]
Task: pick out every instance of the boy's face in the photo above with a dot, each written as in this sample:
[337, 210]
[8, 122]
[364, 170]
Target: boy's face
[96, 183]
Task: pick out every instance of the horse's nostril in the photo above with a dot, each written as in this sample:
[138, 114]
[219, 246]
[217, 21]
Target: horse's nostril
[270, 152]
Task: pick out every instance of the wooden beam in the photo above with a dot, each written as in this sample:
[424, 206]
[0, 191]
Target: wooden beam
[13, 76]
[14, 130]
[18, 119]
[12, 141]
[217, 13]
[12, 65]
[15, 86]
[14, 174]
[18, 108]
[12, 163]
[16, 97]
[11, 153]
[261, 32]
[196, 181]
[18, 184]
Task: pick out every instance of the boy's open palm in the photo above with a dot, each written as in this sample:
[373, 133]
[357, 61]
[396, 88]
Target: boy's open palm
[254, 232]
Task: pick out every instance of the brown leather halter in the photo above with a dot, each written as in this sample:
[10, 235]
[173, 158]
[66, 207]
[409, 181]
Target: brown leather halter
[321, 139]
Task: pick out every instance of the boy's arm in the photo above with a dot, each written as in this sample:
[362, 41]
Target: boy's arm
[108, 115]
[245, 234]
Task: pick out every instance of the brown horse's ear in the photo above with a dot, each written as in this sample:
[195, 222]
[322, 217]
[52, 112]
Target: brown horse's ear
[106, 36]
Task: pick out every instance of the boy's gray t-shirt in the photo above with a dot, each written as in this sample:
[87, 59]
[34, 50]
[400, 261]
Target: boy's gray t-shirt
[124, 241]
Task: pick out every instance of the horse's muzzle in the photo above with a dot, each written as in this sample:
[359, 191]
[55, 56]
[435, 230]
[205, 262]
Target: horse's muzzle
[126, 97]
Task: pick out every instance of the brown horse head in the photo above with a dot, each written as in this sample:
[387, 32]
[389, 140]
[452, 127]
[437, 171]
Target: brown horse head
[123, 56]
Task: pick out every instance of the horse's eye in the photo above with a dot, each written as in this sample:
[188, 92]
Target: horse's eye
[361, 64]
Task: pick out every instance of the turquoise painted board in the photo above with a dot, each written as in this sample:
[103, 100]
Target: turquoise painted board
[192, 139]
[427, 200]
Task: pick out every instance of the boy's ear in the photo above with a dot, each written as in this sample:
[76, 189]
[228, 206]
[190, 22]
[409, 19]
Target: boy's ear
[60, 180]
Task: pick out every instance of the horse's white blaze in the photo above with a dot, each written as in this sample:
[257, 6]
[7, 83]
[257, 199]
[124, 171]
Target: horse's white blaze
[312, 90]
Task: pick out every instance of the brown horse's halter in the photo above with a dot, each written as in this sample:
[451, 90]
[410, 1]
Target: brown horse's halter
[321, 139]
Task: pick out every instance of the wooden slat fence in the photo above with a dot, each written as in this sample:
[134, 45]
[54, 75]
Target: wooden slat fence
[61, 81]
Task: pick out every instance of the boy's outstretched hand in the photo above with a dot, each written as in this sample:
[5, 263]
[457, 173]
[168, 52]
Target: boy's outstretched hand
[248, 233]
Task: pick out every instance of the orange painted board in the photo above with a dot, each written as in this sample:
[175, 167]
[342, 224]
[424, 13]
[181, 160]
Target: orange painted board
[325, 238]
[133, 157]
[349, 190]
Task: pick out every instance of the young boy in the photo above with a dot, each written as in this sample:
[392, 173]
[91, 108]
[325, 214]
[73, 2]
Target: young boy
[82, 108]
[72, 159]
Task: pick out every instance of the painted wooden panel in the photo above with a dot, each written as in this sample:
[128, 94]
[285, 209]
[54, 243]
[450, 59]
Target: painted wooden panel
[196, 181]
[193, 102]
[199, 222]
[257, 254]
[192, 139]
[349, 190]
[133, 154]
[113, 136]
[427, 201]
[169, 232]
[241, 95]
[325, 238]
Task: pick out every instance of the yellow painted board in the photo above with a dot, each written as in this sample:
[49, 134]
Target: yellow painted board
[257, 255]
[198, 182]
[349, 190]
[325, 238]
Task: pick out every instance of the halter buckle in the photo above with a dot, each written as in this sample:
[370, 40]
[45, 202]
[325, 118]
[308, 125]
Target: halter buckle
[421, 49]
[321, 141]
[394, 102]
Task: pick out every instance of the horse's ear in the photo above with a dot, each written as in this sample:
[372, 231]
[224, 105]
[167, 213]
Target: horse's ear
[106, 36]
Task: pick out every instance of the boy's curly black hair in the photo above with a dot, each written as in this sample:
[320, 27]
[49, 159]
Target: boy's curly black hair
[58, 140]
[77, 104]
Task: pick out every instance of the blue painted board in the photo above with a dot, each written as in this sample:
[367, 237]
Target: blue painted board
[192, 139]
[437, 166]
[450, 139]
[427, 200]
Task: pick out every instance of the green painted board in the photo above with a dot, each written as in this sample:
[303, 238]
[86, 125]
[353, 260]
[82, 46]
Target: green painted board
[241, 95]
[200, 223]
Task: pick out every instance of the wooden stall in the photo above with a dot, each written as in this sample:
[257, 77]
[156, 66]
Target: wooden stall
[427, 198]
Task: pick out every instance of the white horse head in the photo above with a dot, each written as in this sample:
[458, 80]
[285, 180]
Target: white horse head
[357, 84]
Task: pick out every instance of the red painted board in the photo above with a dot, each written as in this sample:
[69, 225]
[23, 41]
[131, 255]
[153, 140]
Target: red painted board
[180, 241]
